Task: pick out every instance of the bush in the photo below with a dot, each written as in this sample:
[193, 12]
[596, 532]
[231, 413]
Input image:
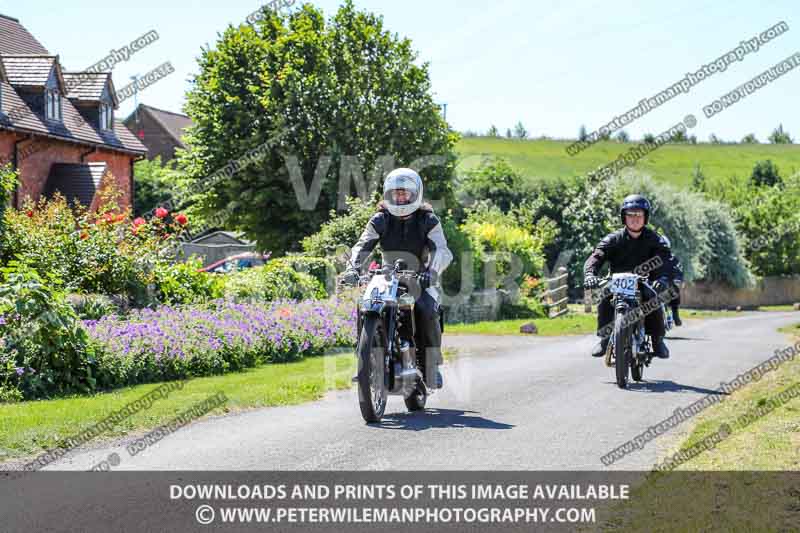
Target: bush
[500, 240]
[765, 174]
[320, 268]
[98, 253]
[341, 232]
[702, 235]
[45, 349]
[493, 180]
[183, 283]
[92, 306]
[273, 281]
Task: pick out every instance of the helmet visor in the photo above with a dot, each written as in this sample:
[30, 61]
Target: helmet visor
[401, 190]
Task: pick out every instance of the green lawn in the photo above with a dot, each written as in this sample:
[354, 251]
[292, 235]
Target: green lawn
[672, 163]
[30, 427]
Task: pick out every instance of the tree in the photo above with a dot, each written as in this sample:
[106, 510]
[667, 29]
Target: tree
[679, 137]
[649, 138]
[494, 180]
[623, 136]
[343, 98]
[493, 132]
[713, 139]
[519, 131]
[508, 133]
[155, 184]
[765, 174]
[750, 138]
[778, 136]
[583, 136]
[692, 139]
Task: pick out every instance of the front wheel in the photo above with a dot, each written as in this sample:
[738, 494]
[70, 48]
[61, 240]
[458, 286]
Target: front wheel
[622, 349]
[372, 392]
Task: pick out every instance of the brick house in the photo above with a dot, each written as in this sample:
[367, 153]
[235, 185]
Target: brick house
[57, 127]
[159, 130]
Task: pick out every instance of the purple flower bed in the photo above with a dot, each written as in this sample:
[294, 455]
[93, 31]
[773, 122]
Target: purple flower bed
[222, 336]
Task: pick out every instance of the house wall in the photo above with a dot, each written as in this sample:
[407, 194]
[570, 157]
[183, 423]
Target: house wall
[38, 155]
[157, 141]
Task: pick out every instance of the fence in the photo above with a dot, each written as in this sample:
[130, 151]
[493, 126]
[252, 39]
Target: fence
[555, 297]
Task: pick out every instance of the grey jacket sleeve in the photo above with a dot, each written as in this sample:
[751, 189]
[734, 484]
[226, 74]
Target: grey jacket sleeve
[366, 243]
[440, 254]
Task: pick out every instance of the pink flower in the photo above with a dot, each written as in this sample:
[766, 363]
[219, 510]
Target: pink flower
[161, 212]
[139, 221]
[181, 219]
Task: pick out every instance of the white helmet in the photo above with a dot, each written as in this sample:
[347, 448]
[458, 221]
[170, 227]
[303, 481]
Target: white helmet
[407, 180]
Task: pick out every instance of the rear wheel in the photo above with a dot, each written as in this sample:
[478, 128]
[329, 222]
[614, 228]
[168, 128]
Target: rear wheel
[622, 350]
[372, 392]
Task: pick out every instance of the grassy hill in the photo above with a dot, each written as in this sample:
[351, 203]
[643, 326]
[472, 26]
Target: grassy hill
[673, 163]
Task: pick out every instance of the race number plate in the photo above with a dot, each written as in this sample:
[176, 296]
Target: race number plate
[624, 284]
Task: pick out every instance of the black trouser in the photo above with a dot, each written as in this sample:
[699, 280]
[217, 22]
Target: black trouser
[653, 322]
[675, 303]
[429, 334]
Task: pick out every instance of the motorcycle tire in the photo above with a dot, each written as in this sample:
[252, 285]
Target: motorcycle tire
[622, 350]
[372, 391]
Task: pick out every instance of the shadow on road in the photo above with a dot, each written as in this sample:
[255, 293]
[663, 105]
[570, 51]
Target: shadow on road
[669, 386]
[671, 338]
[438, 418]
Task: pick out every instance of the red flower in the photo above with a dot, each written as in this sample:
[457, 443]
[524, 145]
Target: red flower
[161, 212]
[120, 217]
[108, 217]
[181, 219]
[29, 212]
[139, 221]
[373, 265]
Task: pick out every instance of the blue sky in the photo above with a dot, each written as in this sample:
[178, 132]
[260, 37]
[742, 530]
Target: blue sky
[553, 65]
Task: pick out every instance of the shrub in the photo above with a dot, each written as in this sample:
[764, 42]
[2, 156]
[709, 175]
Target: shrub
[45, 348]
[183, 283]
[338, 234]
[702, 235]
[320, 268]
[92, 306]
[273, 281]
[765, 174]
[493, 180]
[500, 240]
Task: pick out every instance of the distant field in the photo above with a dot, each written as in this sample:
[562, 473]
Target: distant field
[670, 163]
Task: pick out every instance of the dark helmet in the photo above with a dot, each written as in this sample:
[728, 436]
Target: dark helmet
[635, 201]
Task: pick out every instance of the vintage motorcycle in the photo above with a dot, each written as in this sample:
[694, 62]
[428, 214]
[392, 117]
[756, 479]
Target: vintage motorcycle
[389, 361]
[630, 347]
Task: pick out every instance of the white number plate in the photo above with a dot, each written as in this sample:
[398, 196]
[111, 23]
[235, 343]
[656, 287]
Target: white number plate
[624, 284]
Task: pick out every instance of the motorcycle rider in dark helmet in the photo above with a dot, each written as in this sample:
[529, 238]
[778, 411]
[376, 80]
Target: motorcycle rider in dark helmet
[407, 229]
[625, 250]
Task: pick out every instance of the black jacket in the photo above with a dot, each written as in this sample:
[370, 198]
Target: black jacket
[626, 254]
[419, 240]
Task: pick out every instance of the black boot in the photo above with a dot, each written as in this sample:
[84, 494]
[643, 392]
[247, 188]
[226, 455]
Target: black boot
[600, 348]
[660, 348]
[675, 316]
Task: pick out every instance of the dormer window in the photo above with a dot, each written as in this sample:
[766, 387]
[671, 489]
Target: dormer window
[52, 105]
[106, 116]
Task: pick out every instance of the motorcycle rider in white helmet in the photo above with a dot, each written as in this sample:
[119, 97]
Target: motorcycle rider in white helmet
[407, 229]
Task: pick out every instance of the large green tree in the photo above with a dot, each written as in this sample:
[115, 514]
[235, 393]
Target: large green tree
[329, 107]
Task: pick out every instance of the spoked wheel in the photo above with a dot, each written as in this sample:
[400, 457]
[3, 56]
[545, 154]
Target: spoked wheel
[372, 392]
[622, 350]
[416, 400]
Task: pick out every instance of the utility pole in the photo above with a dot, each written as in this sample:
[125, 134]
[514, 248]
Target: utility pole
[135, 79]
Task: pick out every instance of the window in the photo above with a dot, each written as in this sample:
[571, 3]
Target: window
[52, 105]
[106, 117]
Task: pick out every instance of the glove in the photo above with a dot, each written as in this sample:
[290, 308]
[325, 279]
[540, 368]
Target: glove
[350, 277]
[661, 284]
[591, 282]
[426, 279]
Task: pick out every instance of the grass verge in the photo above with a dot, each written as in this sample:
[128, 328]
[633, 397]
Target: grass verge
[726, 488]
[31, 427]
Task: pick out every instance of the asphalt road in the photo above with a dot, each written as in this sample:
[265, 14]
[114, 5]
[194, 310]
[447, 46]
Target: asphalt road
[509, 403]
